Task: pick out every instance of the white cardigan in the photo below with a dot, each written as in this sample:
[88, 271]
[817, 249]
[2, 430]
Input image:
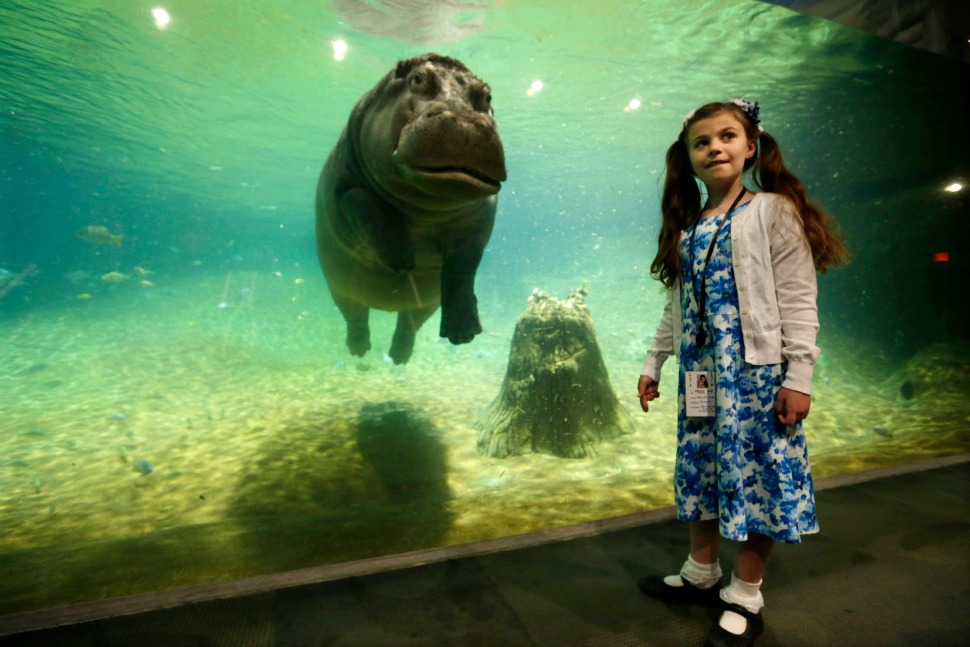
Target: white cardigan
[775, 275]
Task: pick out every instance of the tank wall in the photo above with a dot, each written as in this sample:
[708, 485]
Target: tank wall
[178, 406]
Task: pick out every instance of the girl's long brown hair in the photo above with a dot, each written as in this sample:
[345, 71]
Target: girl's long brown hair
[681, 202]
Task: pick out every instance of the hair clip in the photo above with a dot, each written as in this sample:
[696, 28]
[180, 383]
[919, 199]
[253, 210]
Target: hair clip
[751, 109]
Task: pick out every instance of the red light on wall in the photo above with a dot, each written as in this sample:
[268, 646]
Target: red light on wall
[941, 257]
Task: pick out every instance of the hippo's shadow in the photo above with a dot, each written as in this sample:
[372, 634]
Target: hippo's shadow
[338, 488]
[404, 447]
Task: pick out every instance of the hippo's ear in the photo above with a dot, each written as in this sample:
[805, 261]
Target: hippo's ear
[404, 67]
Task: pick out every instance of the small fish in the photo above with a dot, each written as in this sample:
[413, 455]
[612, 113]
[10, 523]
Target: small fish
[100, 235]
[9, 280]
[33, 368]
[117, 417]
[77, 277]
[882, 431]
[146, 283]
[141, 271]
[114, 277]
[143, 467]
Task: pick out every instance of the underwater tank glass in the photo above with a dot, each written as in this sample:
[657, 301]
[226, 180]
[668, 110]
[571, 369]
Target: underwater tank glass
[177, 402]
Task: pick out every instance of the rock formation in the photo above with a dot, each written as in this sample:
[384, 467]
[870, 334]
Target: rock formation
[556, 397]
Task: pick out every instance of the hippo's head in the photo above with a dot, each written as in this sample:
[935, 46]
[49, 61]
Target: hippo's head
[429, 134]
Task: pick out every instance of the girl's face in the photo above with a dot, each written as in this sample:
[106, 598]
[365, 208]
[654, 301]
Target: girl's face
[718, 148]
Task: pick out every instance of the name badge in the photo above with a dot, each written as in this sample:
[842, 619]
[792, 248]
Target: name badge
[700, 394]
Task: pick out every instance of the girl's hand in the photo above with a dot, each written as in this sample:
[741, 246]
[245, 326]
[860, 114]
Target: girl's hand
[647, 390]
[792, 406]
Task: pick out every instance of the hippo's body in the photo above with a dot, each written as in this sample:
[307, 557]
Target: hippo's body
[406, 202]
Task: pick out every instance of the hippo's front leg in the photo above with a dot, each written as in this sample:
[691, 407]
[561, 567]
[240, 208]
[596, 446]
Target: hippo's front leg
[459, 319]
[384, 229]
[459, 306]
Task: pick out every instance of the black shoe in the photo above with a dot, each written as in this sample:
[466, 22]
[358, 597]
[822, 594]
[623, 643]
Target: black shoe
[721, 637]
[655, 587]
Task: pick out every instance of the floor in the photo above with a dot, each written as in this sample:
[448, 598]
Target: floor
[890, 567]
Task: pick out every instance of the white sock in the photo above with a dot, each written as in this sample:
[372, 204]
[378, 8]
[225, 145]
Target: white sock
[743, 594]
[703, 576]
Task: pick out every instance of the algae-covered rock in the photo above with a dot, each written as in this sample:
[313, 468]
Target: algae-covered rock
[556, 397]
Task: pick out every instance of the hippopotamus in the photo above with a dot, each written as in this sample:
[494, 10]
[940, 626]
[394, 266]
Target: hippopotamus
[406, 202]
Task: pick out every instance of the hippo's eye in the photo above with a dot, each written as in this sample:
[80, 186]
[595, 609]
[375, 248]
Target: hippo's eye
[481, 97]
[424, 82]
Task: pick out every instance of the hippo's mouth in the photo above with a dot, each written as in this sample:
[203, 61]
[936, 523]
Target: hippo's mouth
[459, 174]
[437, 168]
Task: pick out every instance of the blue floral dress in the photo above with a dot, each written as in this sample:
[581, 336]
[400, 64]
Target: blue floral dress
[742, 466]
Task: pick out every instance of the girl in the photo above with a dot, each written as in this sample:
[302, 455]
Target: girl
[739, 270]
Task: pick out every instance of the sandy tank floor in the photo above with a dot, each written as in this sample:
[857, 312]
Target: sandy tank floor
[214, 427]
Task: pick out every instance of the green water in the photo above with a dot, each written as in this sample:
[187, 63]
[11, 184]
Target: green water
[202, 142]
